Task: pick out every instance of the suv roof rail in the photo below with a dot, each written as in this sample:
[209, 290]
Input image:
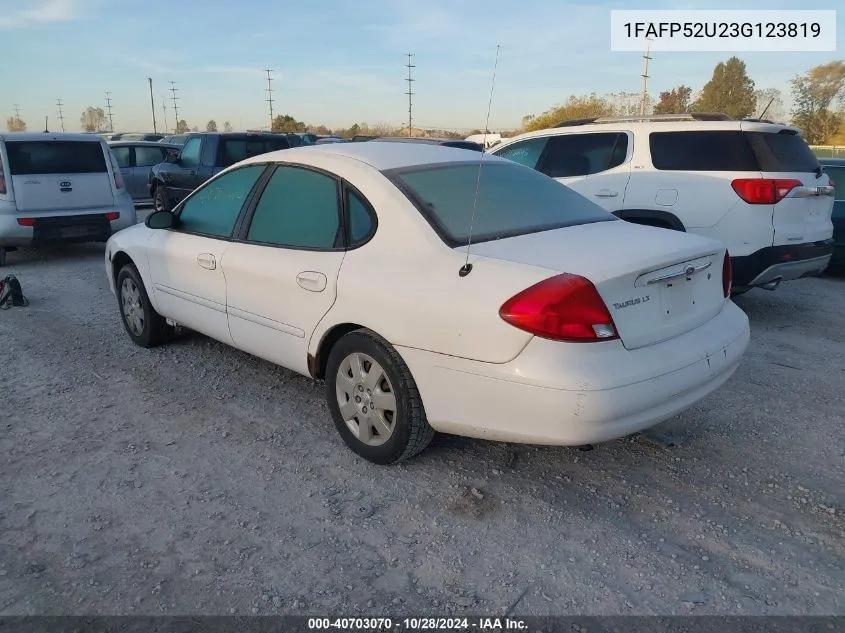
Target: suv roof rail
[689, 116]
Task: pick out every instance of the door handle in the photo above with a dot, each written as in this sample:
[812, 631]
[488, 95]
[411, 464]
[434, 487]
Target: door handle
[313, 281]
[207, 260]
[606, 193]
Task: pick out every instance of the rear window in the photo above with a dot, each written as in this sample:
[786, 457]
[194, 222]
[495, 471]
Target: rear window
[702, 151]
[475, 147]
[731, 151]
[782, 152]
[512, 200]
[238, 149]
[55, 157]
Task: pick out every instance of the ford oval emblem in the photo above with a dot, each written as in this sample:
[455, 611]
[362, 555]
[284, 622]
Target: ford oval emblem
[689, 270]
[65, 184]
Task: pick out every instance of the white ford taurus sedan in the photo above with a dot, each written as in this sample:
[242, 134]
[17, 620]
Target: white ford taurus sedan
[564, 325]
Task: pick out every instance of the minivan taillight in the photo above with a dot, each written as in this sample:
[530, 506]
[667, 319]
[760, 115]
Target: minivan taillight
[562, 308]
[727, 275]
[111, 216]
[764, 190]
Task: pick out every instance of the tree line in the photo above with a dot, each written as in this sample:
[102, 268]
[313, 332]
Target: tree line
[818, 109]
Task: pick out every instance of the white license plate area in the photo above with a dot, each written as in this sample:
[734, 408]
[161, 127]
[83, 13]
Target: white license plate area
[677, 298]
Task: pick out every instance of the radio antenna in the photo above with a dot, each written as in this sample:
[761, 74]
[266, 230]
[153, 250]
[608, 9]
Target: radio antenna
[467, 267]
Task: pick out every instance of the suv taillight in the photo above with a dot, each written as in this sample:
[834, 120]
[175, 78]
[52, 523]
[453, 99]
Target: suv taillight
[562, 308]
[727, 275]
[764, 190]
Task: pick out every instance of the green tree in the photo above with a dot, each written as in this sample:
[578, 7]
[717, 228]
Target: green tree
[15, 124]
[583, 107]
[814, 96]
[211, 126]
[285, 123]
[182, 126]
[93, 119]
[730, 91]
[227, 127]
[674, 101]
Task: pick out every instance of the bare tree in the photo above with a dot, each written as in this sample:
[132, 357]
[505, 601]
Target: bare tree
[93, 119]
[15, 124]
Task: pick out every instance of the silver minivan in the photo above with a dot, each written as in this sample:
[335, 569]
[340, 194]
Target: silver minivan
[58, 188]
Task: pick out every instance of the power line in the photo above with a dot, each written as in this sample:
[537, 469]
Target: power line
[270, 94]
[108, 106]
[174, 90]
[410, 94]
[646, 59]
[61, 114]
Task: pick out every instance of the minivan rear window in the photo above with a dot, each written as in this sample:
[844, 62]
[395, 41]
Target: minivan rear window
[731, 151]
[512, 200]
[55, 157]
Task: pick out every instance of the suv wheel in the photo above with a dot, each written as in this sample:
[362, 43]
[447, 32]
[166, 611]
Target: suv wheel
[374, 400]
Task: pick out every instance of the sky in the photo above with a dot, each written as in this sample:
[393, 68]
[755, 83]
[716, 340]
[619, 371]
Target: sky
[338, 62]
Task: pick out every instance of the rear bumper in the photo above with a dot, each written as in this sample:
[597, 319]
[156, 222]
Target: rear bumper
[89, 226]
[573, 394]
[781, 263]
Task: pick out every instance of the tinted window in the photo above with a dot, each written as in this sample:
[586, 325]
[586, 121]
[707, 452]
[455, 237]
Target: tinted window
[148, 156]
[782, 152]
[475, 147]
[190, 156]
[299, 208]
[55, 157]
[524, 152]
[512, 200]
[123, 155]
[702, 151]
[583, 154]
[214, 209]
[360, 220]
[238, 149]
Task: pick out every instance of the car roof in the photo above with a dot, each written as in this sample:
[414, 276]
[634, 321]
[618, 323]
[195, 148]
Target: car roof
[384, 156]
[421, 139]
[50, 136]
[122, 143]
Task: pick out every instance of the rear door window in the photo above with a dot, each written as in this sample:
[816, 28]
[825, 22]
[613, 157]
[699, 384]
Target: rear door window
[123, 156]
[524, 152]
[570, 155]
[784, 152]
[146, 156]
[702, 151]
[28, 158]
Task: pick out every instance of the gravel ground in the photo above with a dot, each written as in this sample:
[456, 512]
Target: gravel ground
[195, 479]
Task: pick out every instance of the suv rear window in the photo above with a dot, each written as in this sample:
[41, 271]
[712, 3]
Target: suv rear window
[512, 200]
[55, 157]
[238, 149]
[731, 151]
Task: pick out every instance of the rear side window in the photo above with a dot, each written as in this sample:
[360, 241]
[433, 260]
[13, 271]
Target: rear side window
[123, 155]
[238, 149]
[28, 158]
[146, 156]
[570, 155]
[298, 209]
[359, 218]
[512, 200]
[782, 152]
[702, 151]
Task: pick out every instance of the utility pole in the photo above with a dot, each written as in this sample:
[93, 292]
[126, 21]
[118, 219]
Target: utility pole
[270, 95]
[410, 94]
[646, 59]
[61, 114]
[174, 90]
[108, 106]
[153, 105]
[164, 110]
[17, 111]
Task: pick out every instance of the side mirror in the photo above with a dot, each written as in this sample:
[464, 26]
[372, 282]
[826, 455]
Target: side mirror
[160, 220]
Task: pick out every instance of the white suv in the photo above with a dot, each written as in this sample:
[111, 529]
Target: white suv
[59, 188]
[753, 185]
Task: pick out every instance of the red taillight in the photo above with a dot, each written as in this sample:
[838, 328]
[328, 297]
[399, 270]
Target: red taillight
[727, 275]
[112, 215]
[562, 308]
[118, 180]
[2, 185]
[26, 221]
[764, 190]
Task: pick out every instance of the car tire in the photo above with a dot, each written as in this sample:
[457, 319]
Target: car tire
[160, 201]
[363, 365]
[145, 326]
